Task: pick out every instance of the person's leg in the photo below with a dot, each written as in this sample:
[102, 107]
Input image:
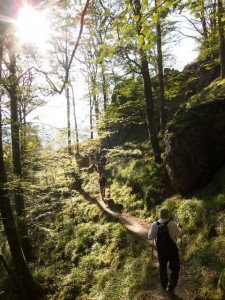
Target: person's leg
[174, 265]
[101, 191]
[163, 260]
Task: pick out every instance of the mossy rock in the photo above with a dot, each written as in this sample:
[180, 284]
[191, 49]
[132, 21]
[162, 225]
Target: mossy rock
[195, 145]
[221, 282]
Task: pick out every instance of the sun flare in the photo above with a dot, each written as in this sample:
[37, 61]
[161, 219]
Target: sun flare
[32, 26]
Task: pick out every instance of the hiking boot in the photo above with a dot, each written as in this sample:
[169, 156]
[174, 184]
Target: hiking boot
[169, 293]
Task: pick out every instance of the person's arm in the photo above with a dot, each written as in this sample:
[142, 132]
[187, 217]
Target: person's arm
[174, 230]
[152, 232]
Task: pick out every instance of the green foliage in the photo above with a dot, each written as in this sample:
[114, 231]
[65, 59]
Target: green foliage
[137, 182]
[79, 252]
[192, 213]
[213, 92]
[126, 109]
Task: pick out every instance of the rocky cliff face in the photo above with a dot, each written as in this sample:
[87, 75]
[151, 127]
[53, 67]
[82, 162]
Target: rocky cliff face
[195, 145]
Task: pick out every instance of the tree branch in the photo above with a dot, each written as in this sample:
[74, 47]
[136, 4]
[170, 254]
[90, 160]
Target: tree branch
[50, 82]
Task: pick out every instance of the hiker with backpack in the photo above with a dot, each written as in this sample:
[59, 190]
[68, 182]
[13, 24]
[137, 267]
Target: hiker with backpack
[102, 185]
[165, 234]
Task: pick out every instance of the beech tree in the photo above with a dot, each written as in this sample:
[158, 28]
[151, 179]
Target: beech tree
[208, 25]
[29, 287]
[11, 85]
[132, 20]
[64, 50]
[221, 31]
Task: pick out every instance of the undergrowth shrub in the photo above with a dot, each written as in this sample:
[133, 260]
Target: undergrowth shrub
[120, 280]
[191, 213]
[142, 180]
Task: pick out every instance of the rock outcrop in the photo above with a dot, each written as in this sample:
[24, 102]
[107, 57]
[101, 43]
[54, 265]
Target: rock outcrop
[195, 145]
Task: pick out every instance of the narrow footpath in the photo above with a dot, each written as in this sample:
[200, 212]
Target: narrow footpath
[140, 228]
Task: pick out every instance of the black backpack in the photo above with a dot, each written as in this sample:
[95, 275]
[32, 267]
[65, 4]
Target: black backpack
[163, 239]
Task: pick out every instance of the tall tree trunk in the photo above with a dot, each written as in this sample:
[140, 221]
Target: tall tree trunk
[94, 97]
[16, 153]
[149, 102]
[68, 119]
[75, 122]
[91, 116]
[221, 37]
[160, 72]
[204, 24]
[30, 287]
[104, 87]
[149, 108]
[90, 108]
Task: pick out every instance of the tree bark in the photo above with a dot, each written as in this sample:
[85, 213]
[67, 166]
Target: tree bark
[149, 108]
[160, 72]
[75, 122]
[149, 101]
[204, 24]
[31, 289]
[221, 37]
[68, 119]
[16, 152]
[91, 116]
[104, 87]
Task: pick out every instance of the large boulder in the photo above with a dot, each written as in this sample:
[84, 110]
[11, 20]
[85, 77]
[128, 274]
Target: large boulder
[195, 145]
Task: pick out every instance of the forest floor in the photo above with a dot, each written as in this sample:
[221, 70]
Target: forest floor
[184, 290]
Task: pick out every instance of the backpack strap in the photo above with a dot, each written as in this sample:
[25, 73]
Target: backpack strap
[165, 223]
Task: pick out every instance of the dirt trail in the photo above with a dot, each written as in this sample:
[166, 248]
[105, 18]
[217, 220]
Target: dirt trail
[140, 227]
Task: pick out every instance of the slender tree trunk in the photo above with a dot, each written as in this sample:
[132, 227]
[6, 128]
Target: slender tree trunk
[104, 87]
[204, 25]
[68, 119]
[160, 71]
[91, 116]
[96, 106]
[16, 153]
[221, 37]
[149, 109]
[90, 108]
[94, 96]
[149, 101]
[75, 122]
[31, 289]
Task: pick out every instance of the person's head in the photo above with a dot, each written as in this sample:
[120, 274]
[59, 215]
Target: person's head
[164, 213]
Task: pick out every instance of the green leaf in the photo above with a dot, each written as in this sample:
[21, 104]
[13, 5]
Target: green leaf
[143, 8]
[127, 37]
[140, 40]
[111, 53]
[107, 12]
[103, 22]
[121, 41]
[147, 47]
[123, 29]
[102, 46]
[169, 4]
[136, 18]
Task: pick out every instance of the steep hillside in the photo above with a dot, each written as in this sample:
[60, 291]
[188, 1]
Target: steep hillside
[83, 252]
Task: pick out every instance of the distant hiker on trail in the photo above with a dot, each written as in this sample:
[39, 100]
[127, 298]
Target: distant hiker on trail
[102, 184]
[97, 157]
[103, 160]
[100, 168]
[165, 233]
[91, 159]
